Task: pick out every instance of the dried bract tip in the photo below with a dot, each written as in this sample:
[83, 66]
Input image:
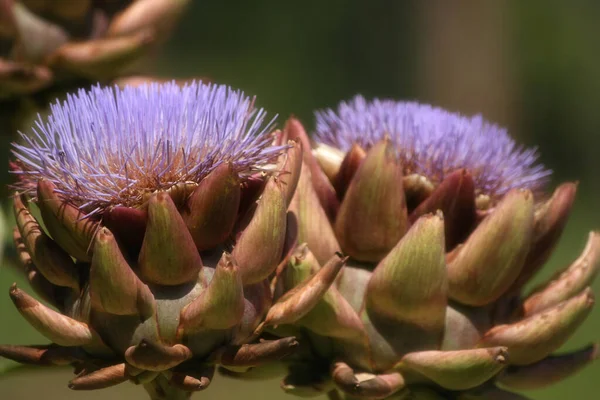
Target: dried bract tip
[100, 379]
[59, 328]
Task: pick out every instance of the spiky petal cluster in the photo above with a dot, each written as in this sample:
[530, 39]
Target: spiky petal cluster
[428, 299]
[433, 142]
[172, 278]
[110, 147]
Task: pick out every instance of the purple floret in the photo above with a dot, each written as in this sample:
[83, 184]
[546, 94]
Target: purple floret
[433, 142]
[111, 146]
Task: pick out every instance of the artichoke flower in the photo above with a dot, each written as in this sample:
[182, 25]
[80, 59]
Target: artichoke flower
[50, 47]
[151, 219]
[418, 229]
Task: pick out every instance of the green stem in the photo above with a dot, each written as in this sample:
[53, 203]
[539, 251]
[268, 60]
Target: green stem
[160, 389]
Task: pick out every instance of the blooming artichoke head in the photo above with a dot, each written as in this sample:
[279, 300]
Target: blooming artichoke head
[440, 220]
[159, 214]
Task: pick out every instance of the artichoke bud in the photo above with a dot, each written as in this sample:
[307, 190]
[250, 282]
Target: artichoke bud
[443, 219]
[172, 276]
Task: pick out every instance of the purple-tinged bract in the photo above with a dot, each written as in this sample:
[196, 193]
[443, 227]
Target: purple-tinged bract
[111, 147]
[434, 142]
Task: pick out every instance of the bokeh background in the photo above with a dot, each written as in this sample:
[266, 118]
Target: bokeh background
[531, 66]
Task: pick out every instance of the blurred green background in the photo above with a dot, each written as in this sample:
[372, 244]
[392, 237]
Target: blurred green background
[531, 66]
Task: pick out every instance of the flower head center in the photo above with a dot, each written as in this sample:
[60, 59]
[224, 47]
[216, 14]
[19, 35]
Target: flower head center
[111, 146]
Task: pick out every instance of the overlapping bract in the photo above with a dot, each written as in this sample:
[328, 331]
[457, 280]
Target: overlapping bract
[161, 289]
[430, 301]
[393, 281]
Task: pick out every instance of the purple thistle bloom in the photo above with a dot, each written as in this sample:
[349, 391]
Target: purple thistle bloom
[433, 142]
[111, 146]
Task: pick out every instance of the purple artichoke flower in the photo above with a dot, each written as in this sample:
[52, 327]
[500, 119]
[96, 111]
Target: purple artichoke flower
[164, 214]
[440, 220]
